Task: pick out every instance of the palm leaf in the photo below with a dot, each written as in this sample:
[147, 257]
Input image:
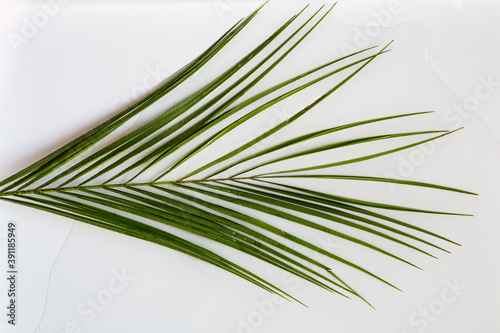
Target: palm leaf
[91, 189]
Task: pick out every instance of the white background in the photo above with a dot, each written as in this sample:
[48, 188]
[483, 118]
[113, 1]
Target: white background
[78, 67]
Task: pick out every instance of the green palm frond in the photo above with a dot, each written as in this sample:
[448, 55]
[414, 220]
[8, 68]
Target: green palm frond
[101, 187]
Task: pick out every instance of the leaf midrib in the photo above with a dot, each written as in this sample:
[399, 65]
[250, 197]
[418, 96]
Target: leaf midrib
[121, 185]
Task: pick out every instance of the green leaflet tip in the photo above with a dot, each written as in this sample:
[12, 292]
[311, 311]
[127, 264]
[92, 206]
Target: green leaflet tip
[385, 47]
[341, 294]
[323, 6]
[396, 288]
[452, 242]
[364, 300]
[421, 112]
[303, 9]
[413, 265]
[296, 301]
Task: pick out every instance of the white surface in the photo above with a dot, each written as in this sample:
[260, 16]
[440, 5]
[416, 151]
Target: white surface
[83, 63]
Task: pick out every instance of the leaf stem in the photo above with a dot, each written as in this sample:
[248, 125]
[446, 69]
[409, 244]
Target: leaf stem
[105, 186]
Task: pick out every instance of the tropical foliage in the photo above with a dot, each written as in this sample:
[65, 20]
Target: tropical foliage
[87, 185]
